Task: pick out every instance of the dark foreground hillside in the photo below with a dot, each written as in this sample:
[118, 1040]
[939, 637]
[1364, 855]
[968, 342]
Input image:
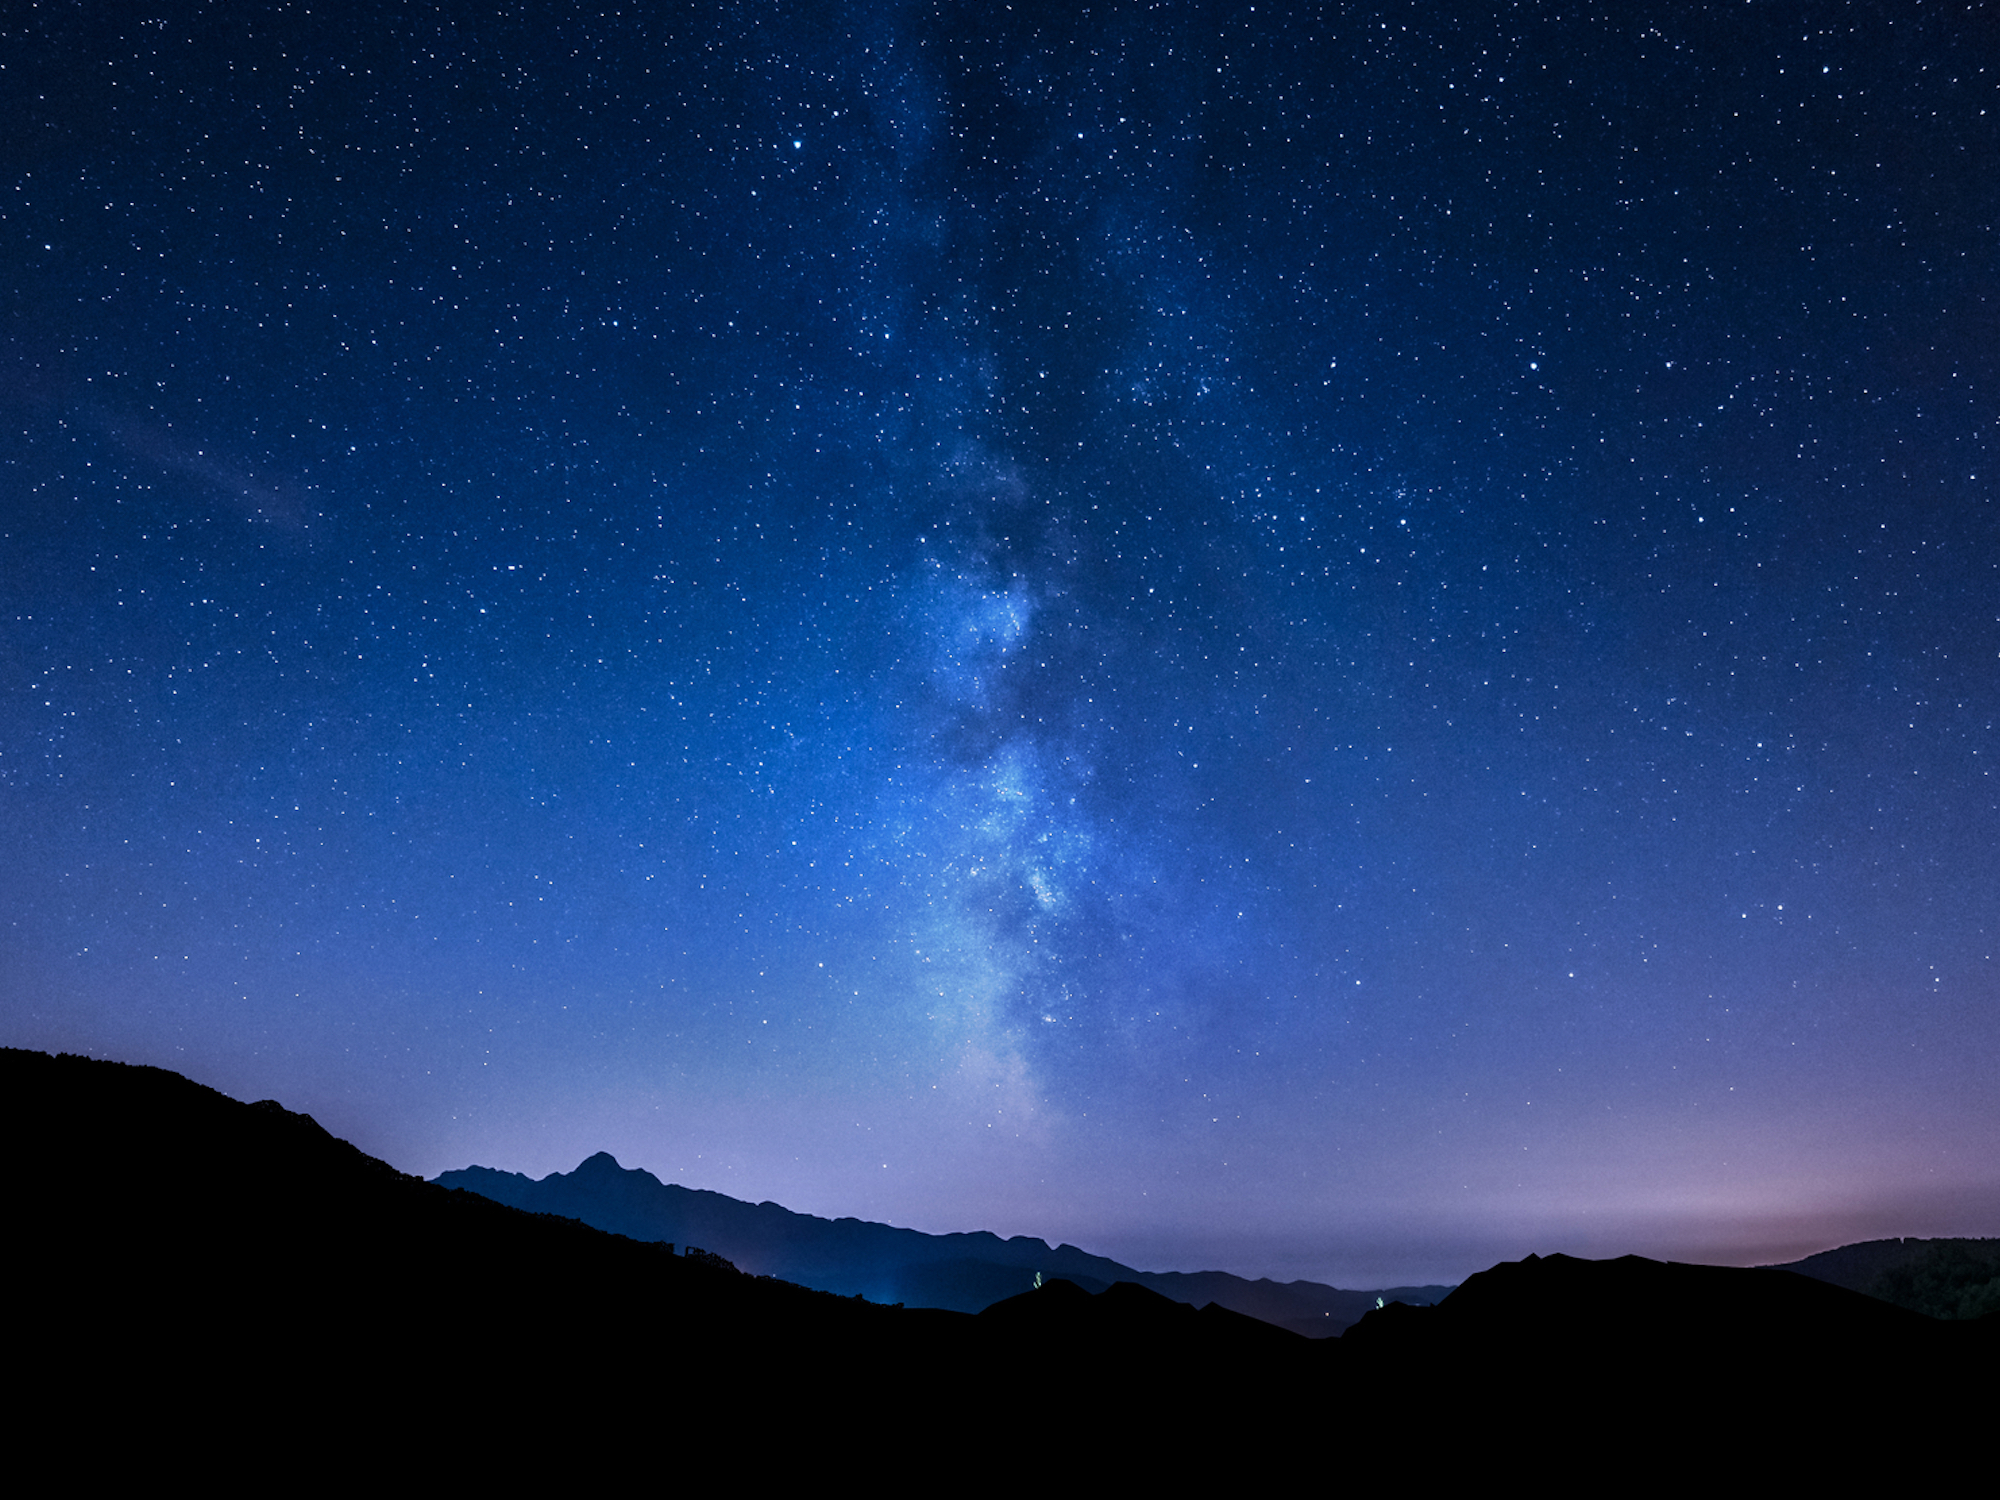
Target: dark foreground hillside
[201, 1271]
[204, 1286]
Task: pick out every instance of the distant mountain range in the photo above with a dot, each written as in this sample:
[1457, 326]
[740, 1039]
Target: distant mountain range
[970, 1272]
[221, 1289]
[852, 1257]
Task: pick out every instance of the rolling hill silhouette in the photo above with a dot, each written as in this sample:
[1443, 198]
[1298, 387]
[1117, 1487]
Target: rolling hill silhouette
[205, 1286]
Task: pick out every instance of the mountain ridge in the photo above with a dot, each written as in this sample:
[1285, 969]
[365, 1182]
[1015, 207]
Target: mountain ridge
[963, 1271]
[232, 1284]
[1954, 1278]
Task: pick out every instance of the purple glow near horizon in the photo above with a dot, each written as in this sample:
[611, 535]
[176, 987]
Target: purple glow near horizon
[1329, 643]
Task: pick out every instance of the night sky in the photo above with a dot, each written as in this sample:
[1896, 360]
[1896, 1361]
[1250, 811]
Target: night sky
[1318, 641]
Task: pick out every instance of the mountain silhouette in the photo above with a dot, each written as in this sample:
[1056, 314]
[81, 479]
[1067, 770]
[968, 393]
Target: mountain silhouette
[852, 1257]
[205, 1286]
[193, 1275]
[1944, 1278]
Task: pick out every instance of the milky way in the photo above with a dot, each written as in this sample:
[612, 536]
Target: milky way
[1334, 642]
